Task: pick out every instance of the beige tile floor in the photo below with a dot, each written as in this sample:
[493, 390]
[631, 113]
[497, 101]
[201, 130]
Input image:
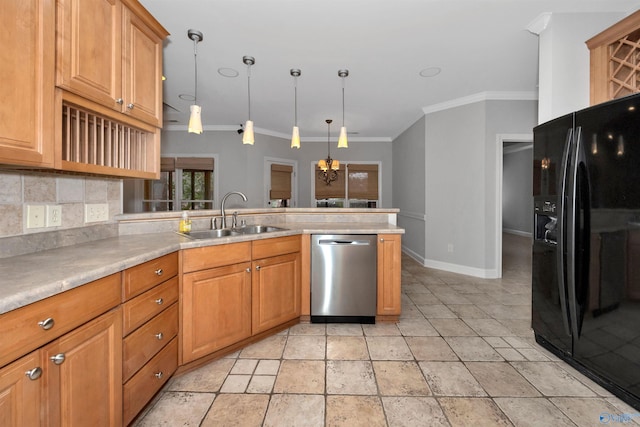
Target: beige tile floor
[463, 354]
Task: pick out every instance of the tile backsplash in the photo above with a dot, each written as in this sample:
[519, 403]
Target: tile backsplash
[69, 193]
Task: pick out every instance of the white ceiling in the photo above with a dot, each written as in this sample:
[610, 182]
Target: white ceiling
[480, 45]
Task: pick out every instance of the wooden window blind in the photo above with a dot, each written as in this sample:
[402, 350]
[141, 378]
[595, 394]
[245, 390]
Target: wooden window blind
[194, 163]
[335, 190]
[363, 181]
[280, 182]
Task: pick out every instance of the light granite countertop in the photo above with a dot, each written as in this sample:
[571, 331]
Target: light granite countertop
[29, 278]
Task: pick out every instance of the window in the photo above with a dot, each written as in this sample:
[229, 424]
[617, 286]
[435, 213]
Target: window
[280, 192]
[186, 183]
[358, 190]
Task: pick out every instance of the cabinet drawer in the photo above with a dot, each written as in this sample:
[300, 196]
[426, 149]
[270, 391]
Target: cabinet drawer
[142, 386]
[145, 341]
[277, 246]
[143, 307]
[215, 256]
[20, 329]
[142, 277]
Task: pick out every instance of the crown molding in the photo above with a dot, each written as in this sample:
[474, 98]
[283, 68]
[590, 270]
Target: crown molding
[480, 97]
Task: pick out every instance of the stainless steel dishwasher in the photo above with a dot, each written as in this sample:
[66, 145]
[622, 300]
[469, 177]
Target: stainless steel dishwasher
[343, 278]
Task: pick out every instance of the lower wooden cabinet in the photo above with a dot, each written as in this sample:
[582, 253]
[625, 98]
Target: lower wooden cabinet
[216, 309]
[83, 375]
[20, 384]
[139, 390]
[389, 276]
[275, 287]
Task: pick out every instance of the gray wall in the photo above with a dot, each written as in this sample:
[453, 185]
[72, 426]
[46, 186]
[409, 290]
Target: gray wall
[460, 149]
[408, 187]
[517, 184]
[241, 167]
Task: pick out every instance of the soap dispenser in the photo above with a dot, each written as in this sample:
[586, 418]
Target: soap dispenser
[185, 223]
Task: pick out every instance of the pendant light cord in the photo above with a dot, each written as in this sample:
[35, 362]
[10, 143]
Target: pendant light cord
[195, 60]
[295, 97]
[249, 87]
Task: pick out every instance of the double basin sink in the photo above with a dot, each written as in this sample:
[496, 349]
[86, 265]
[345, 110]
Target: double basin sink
[229, 232]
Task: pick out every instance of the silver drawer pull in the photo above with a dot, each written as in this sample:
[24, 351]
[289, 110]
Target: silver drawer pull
[58, 359]
[159, 272]
[46, 324]
[158, 375]
[159, 301]
[34, 373]
[159, 335]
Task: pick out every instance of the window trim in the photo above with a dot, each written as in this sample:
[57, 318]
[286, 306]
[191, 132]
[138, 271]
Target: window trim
[355, 162]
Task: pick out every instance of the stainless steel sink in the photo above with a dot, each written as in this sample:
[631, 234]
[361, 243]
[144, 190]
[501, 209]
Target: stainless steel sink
[211, 234]
[258, 229]
[229, 232]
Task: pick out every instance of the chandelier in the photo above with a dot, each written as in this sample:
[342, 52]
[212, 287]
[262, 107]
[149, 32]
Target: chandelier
[328, 167]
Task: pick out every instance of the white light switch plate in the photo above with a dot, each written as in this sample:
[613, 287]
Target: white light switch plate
[35, 216]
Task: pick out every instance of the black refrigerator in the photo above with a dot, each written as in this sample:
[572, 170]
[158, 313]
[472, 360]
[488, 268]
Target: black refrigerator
[586, 242]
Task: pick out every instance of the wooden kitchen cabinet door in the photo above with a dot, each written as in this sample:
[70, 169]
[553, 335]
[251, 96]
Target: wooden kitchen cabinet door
[216, 309]
[27, 82]
[20, 395]
[275, 287]
[389, 276]
[90, 49]
[83, 374]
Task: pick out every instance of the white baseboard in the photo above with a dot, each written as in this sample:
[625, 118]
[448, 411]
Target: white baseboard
[413, 255]
[462, 269]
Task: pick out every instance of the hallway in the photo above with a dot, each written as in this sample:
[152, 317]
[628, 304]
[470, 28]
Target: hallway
[462, 354]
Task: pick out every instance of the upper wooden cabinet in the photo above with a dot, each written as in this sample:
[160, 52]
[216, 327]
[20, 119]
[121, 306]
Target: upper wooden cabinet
[110, 52]
[614, 60]
[104, 116]
[27, 90]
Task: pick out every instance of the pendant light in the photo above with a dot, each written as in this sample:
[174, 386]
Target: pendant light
[295, 136]
[328, 167]
[195, 119]
[247, 135]
[342, 139]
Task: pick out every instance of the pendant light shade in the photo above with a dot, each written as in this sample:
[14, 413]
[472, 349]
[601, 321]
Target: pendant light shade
[195, 119]
[342, 139]
[295, 135]
[247, 135]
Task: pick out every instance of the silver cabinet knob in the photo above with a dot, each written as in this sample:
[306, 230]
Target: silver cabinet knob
[158, 375]
[159, 335]
[159, 272]
[34, 374]
[258, 267]
[381, 240]
[248, 270]
[119, 101]
[47, 323]
[58, 359]
[130, 106]
[159, 301]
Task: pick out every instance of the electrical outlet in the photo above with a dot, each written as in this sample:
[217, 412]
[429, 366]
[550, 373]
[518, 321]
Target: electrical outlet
[35, 216]
[54, 216]
[96, 212]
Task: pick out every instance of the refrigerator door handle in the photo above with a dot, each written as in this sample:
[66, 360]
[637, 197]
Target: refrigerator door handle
[571, 231]
[561, 227]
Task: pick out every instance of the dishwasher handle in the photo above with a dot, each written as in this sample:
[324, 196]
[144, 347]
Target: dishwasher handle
[340, 242]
